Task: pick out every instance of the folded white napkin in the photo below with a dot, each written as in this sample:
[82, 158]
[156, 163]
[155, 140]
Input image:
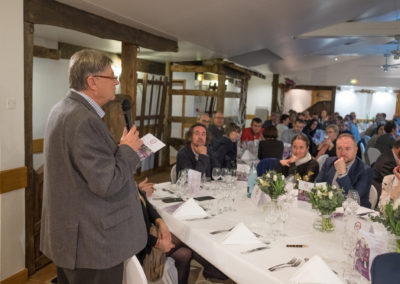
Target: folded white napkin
[315, 271]
[240, 235]
[189, 209]
[360, 210]
[160, 186]
[247, 156]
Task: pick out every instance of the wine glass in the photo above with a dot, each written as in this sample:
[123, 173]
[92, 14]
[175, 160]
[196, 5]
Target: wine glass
[216, 174]
[353, 200]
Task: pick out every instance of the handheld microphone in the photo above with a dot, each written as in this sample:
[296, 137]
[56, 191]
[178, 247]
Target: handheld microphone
[126, 108]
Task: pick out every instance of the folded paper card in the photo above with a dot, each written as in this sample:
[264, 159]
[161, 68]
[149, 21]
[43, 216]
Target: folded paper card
[189, 209]
[194, 181]
[151, 144]
[315, 271]
[240, 235]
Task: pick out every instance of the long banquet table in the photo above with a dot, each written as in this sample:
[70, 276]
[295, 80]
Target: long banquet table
[253, 267]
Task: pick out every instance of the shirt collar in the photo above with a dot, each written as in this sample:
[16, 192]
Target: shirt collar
[100, 112]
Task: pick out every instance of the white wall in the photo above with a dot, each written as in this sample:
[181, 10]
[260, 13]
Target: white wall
[365, 104]
[50, 84]
[297, 99]
[259, 95]
[12, 204]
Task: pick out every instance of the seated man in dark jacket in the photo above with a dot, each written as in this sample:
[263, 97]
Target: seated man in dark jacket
[385, 164]
[347, 170]
[195, 154]
[225, 147]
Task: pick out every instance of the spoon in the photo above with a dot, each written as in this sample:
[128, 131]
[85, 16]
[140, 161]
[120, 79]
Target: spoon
[290, 262]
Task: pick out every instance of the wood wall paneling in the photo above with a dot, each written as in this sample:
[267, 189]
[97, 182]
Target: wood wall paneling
[13, 179]
[18, 278]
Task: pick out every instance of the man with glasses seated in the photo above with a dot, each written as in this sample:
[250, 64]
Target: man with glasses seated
[347, 171]
[195, 154]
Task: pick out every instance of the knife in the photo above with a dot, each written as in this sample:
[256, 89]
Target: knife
[221, 231]
[167, 190]
[199, 218]
[255, 249]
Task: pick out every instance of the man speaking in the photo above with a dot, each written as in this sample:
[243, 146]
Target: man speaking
[92, 218]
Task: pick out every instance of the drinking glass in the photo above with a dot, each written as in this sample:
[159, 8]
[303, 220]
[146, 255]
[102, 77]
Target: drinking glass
[216, 174]
[353, 201]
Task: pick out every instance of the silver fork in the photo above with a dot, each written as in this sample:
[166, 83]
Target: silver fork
[293, 260]
[295, 264]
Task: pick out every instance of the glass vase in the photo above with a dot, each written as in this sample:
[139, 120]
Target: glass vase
[327, 224]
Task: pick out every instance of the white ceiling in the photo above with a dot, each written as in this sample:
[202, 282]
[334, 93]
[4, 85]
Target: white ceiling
[270, 35]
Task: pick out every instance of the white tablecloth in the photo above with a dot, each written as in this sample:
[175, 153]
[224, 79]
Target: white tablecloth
[253, 267]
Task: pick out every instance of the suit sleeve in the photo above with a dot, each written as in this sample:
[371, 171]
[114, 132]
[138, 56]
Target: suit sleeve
[362, 185]
[106, 168]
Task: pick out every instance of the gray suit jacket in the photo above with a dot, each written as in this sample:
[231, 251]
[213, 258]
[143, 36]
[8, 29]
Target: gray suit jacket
[91, 216]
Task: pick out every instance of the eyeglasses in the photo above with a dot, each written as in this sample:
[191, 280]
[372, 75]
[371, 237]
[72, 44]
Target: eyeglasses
[114, 78]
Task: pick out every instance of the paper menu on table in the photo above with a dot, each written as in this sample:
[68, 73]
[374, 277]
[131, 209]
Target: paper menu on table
[367, 247]
[194, 181]
[151, 144]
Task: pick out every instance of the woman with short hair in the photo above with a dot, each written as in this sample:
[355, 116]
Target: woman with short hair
[270, 147]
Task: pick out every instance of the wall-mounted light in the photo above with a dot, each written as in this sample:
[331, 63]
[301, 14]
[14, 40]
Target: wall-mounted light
[353, 81]
[199, 76]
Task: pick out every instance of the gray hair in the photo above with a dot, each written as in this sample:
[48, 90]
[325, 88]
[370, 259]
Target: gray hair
[83, 64]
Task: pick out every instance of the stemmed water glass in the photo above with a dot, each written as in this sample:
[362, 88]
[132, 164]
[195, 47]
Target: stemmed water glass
[353, 201]
[216, 174]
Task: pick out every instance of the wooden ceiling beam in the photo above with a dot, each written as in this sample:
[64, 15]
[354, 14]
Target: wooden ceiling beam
[50, 12]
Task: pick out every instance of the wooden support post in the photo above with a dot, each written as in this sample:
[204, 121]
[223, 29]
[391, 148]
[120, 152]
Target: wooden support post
[143, 105]
[129, 75]
[168, 112]
[275, 92]
[221, 92]
[243, 100]
[29, 190]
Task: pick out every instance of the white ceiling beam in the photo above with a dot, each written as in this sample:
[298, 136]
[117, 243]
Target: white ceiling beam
[356, 29]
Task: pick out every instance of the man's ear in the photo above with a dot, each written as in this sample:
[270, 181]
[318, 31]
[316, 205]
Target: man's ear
[91, 82]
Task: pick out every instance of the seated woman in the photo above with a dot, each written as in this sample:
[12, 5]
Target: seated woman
[169, 243]
[328, 146]
[270, 147]
[225, 147]
[390, 188]
[301, 161]
[165, 241]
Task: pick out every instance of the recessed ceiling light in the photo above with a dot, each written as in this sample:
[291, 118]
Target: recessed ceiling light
[336, 59]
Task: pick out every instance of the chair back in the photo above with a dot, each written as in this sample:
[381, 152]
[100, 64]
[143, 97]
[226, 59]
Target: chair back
[362, 150]
[266, 164]
[173, 174]
[385, 268]
[321, 160]
[133, 272]
[373, 155]
[373, 196]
